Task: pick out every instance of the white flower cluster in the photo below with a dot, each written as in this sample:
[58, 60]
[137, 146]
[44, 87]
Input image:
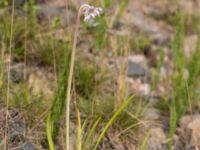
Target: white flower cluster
[90, 12]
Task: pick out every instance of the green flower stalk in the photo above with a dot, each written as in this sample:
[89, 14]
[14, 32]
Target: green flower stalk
[89, 12]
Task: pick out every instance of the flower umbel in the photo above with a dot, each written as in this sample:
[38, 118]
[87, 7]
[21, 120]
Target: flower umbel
[90, 12]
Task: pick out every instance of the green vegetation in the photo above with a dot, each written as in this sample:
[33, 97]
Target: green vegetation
[184, 96]
[101, 109]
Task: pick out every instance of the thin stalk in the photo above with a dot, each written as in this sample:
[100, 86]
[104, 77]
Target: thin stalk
[79, 130]
[54, 59]
[25, 42]
[90, 13]
[69, 85]
[8, 74]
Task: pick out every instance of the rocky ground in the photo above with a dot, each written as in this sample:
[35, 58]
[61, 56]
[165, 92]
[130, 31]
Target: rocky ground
[151, 18]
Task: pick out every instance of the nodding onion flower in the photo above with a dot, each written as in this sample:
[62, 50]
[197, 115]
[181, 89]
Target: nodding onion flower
[90, 12]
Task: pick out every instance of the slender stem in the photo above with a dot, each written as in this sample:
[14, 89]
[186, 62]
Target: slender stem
[73, 53]
[25, 42]
[8, 75]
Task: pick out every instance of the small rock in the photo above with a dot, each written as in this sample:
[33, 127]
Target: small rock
[28, 146]
[151, 114]
[137, 66]
[138, 88]
[52, 11]
[45, 11]
[156, 11]
[18, 127]
[190, 45]
[190, 130]
[188, 7]
[159, 9]
[17, 72]
[157, 139]
[160, 33]
[41, 83]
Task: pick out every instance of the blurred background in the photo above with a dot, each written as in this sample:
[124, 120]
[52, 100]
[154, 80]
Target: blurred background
[149, 49]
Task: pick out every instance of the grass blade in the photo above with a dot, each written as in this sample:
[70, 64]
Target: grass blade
[110, 122]
[49, 132]
[89, 136]
[144, 142]
[173, 122]
[79, 133]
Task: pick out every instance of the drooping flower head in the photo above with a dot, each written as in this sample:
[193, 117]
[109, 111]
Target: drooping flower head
[90, 12]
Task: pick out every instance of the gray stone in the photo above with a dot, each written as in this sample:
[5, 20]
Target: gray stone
[17, 72]
[159, 33]
[137, 66]
[29, 146]
[51, 11]
[45, 11]
[18, 127]
[135, 69]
